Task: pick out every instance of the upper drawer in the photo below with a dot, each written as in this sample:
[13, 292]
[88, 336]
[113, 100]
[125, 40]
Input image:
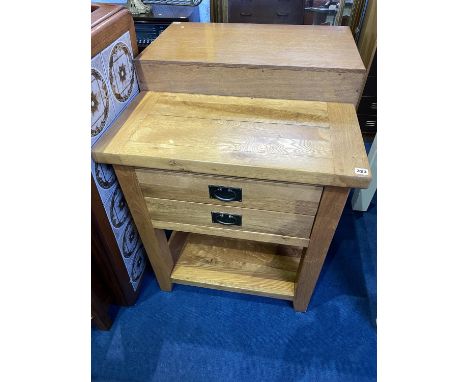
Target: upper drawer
[237, 192]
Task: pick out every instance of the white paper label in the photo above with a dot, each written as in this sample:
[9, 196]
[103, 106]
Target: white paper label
[361, 171]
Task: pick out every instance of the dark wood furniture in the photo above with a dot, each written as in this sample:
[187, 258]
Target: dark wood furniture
[266, 11]
[367, 110]
[367, 45]
[110, 281]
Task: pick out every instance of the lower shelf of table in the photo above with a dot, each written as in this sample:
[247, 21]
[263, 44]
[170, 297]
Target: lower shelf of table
[234, 265]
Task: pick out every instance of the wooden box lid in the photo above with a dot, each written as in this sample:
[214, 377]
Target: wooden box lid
[309, 62]
[308, 47]
[282, 140]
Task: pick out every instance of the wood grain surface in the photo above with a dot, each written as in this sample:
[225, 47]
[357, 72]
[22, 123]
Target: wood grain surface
[237, 234]
[283, 140]
[264, 195]
[251, 82]
[328, 216]
[269, 46]
[238, 266]
[277, 223]
[176, 244]
[303, 62]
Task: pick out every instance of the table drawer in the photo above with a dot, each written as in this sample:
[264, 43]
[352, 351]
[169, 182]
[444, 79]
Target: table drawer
[255, 194]
[234, 218]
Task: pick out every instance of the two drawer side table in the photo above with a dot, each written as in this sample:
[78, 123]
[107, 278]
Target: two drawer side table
[252, 188]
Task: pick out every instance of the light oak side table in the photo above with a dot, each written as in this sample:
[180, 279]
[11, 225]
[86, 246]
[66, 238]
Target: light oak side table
[253, 188]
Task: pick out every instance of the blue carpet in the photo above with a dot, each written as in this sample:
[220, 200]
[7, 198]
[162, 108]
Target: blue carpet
[195, 334]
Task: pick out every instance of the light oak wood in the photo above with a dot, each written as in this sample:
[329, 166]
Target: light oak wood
[254, 60]
[176, 244]
[248, 82]
[266, 45]
[281, 150]
[283, 140]
[347, 145]
[237, 234]
[154, 241]
[277, 223]
[238, 266]
[328, 216]
[264, 195]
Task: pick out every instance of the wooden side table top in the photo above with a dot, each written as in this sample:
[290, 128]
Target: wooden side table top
[280, 140]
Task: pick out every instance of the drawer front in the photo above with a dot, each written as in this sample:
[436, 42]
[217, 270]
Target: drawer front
[230, 218]
[262, 195]
[368, 123]
[367, 105]
[266, 11]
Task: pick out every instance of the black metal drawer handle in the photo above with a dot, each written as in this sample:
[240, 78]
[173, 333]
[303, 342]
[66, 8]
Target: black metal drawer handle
[225, 194]
[226, 219]
[246, 14]
[282, 14]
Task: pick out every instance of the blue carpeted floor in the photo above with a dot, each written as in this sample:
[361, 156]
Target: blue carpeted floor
[195, 334]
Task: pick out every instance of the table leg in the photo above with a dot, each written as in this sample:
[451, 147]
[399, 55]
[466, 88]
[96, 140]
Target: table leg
[154, 240]
[328, 215]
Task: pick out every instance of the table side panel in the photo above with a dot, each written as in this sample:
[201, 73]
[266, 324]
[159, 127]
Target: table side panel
[327, 86]
[328, 215]
[154, 241]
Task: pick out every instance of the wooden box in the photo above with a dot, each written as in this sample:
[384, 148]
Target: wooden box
[274, 173]
[304, 62]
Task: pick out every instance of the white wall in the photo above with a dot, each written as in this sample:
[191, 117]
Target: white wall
[205, 11]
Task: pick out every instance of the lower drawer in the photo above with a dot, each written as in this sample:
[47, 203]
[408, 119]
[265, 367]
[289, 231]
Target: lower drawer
[368, 123]
[260, 225]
